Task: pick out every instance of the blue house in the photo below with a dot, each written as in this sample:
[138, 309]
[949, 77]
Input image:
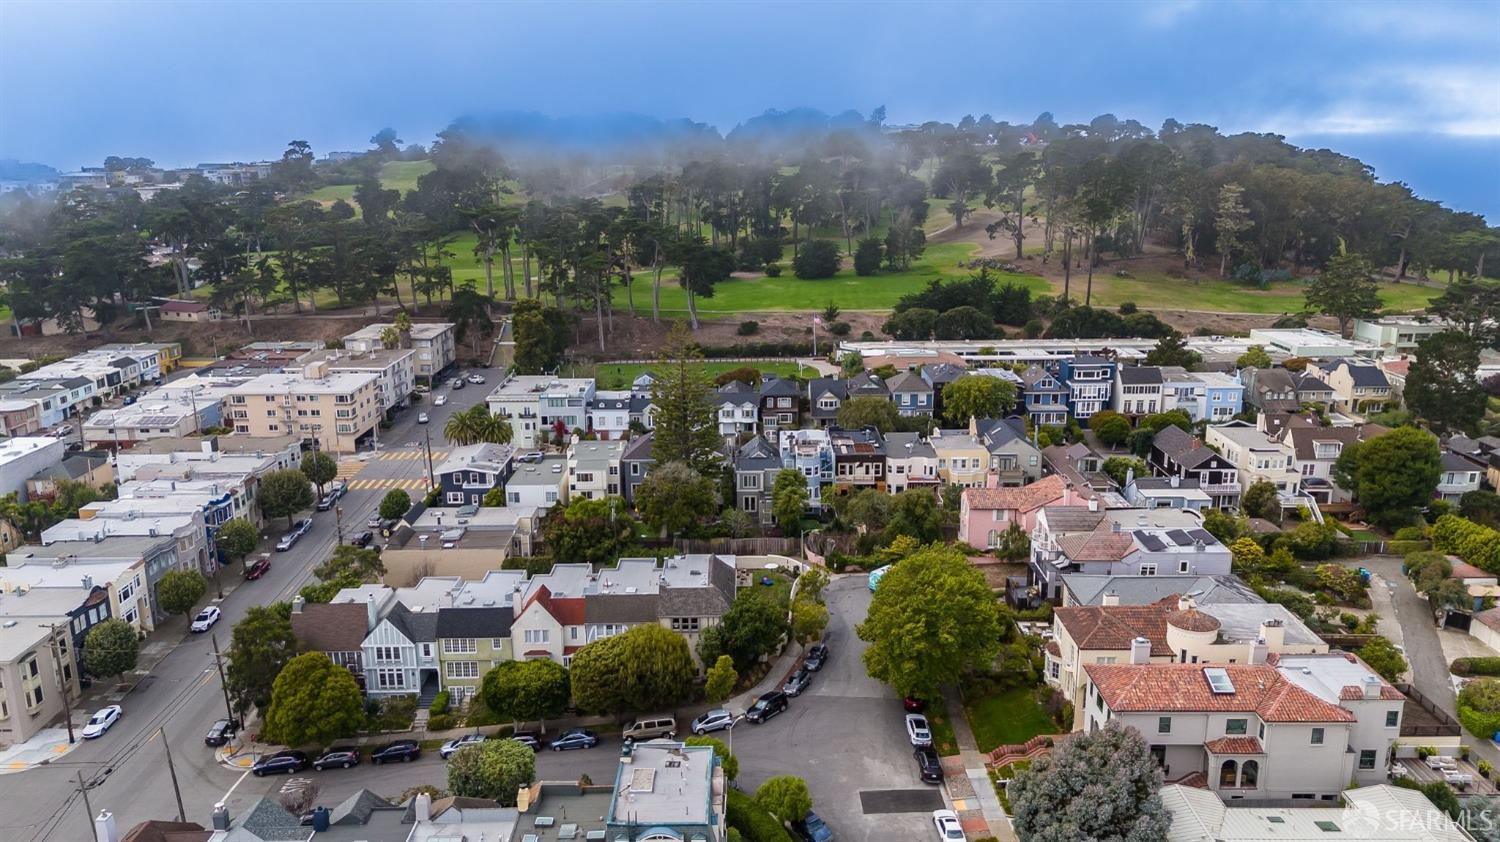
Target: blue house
[1044, 397]
[1090, 383]
[911, 394]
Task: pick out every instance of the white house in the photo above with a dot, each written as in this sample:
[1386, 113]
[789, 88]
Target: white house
[739, 408]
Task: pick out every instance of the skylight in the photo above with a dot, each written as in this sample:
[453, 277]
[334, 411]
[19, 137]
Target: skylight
[1218, 681]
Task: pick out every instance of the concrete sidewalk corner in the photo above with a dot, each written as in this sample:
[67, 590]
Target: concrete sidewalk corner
[237, 757]
[45, 746]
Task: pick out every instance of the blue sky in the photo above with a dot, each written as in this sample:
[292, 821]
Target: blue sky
[1413, 88]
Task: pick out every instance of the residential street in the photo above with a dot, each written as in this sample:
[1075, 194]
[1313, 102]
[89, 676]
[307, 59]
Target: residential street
[126, 770]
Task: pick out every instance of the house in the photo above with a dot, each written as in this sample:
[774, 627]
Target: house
[963, 458]
[1303, 727]
[128, 567]
[1364, 814]
[1044, 397]
[1079, 464]
[858, 458]
[985, 514]
[1459, 476]
[399, 653]
[868, 385]
[910, 462]
[609, 415]
[1165, 493]
[1395, 374]
[181, 520]
[1086, 539]
[38, 659]
[1138, 390]
[911, 393]
[471, 642]
[1312, 391]
[537, 405]
[635, 464]
[336, 629]
[756, 463]
[594, 469]
[811, 452]
[1090, 381]
[443, 542]
[539, 483]
[23, 457]
[1358, 386]
[1270, 389]
[824, 397]
[1312, 449]
[1254, 454]
[738, 409]
[472, 471]
[1014, 460]
[642, 411]
[939, 375]
[1177, 630]
[1210, 396]
[779, 403]
[20, 417]
[1177, 453]
[173, 310]
[1084, 589]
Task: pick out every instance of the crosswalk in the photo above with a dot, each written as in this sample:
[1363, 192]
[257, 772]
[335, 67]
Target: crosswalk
[388, 483]
[407, 455]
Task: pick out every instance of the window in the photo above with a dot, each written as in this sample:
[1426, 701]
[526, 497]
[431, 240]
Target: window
[497, 643]
[1367, 759]
[751, 503]
[635, 469]
[1164, 725]
[1228, 773]
[459, 646]
[390, 679]
[1236, 727]
[387, 654]
[536, 635]
[1052, 669]
[687, 624]
[1250, 774]
[456, 498]
[462, 669]
[1317, 736]
[1392, 718]
[1148, 569]
[1182, 566]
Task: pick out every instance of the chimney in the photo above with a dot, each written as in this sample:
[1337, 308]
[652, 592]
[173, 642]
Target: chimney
[1129, 476]
[1140, 651]
[88, 582]
[1185, 602]
[424, 806]
[1197, 443]
[1273, 633]
[1259, 650]
[297, 604]
[221, 816]
[372, 611]
[523, 799]
[1372, 685]
[104, 827]
[1110, 598]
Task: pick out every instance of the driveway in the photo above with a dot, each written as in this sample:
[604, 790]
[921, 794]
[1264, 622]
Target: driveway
[845, 735]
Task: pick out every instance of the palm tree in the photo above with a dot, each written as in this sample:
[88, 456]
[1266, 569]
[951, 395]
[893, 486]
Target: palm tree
[461, 429]
[389, 337]
[492, 428]
[476, 425]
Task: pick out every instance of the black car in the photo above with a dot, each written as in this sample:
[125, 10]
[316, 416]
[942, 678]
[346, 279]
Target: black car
[362, 539]
[797, 682]
[220, 732]
[929, 767]
[281, 761]
[576, 738]
[338, 757]
[817, 656]
[402, 751]
[767, 706]
[530, 739]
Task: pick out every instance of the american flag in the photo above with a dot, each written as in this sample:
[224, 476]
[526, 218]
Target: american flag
[817, 320]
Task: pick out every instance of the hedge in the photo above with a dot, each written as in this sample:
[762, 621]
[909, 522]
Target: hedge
[1478, 545]
[1476, 666]
[1480, 724]
[1404, 547]
[752, 821]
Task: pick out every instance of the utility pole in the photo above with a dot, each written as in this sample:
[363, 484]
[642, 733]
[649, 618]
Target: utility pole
[172, 770]
[223, 682]
[87, 808]
[428, 434]
[338, 519]
[62, 683]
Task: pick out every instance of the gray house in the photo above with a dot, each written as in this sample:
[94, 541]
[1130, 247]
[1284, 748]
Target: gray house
[824, 397]
[635, 463]
[755, 467]
[472, 471]
[1013, 458]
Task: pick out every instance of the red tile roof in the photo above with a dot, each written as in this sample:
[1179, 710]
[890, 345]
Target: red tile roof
[1053, 649]
[1099, 545]
[1258, 689]
[1352, 693]
[1465, 570]
[1234, 745]
[1193, 620]
[1114, 626]
[567, 611]
[1027, 498]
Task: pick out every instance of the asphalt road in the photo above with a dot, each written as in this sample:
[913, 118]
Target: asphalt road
[126, 771]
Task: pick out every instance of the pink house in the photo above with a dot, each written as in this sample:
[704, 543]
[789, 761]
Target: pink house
[986, 513]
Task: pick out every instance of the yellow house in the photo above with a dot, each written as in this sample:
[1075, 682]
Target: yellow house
[470, 643]
[962, 458]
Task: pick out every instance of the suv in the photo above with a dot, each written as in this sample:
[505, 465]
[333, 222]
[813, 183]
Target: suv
[767, 706]
[797, 682]
[330, 498]
[220, 732]
[817, 656]
[715, 720]
[813, 829]
[362, 539]
[281, 761]
[403, 751]
[290, 539]
[649, 728]
[341, 757]
[929, 767]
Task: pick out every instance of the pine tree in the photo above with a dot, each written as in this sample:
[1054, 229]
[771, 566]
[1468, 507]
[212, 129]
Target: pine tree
[1231, 220]
[686, 420]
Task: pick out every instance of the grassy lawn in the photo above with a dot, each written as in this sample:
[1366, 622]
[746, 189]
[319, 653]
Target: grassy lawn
[1008, 718]
[1159, 291]
[613, 376]
[942, 728]
[394, 175]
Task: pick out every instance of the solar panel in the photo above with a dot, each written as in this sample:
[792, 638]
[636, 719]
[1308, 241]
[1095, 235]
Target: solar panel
[1149, 541]
[1218, 681]
[1179, 538]
[1202, 535]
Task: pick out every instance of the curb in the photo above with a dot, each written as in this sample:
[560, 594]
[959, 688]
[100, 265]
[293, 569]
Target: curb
[232, 757]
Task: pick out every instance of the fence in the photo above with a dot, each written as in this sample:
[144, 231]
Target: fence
[1432, 721]
[740, 546]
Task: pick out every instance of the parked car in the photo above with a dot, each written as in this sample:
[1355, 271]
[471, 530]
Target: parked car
[339, 757]
[476, 379]
[715, 720]
[205, 619]
[361, 539]
[422, 418]
[290, 539]
[282, 761]
[918, 730]
[129, 400]
[767, 706]
[530, 739]
[797, 682]
[929, 767]
[876, 575]
[403, 751]
[948, 828]
[817, 656]
[451, 747]
[220, 732]
[331, 498]
[102, 721]
[650, 728]
[440, 400]
[813, 829]
[576, 738]
[257, 568]
[913, 704]
[457, 383]
[374, 521]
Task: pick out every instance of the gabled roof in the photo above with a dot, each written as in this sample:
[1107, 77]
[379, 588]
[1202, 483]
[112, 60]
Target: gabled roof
[941, 374]
[1113, 627]
[417, 626]
[757, 454]
[357, 808]
[1310, 383]
[1071, 518]
[1026, 498]
[621, 608]
[908, 381]
[773, 386]
[1366, 376]
[567, 611]
[819, 386]
[867, 385]
[638, 449]
[1102, 544]
[1173, 440]
[737, 392]
[1034, 375]
[1258, 688]
[330, 627]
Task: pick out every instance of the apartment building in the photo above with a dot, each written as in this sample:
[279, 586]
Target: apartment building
[536, 405]
[20, 417]
[22, 457]
[394, 368]
[1398, 334]
[128, 567]
[171, 517]
[333, 410]
[433, 342]
[38, 662]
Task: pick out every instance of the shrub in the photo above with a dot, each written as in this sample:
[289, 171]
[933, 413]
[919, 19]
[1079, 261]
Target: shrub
[773, 270]
[752, 820]
[840, 328]
[748, 328]
[817, 259]
[442, 722]
[1476, 666]
[439, 704]
[1127, 308]
[1411, 533]
[1033, 328]
[867, 256]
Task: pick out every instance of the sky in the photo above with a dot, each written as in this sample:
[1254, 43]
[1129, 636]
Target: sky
[1411, 88]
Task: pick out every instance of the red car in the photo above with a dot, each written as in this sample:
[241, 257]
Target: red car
[913, 704]
[256, 569]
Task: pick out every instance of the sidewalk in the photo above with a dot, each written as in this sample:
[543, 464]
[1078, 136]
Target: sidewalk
[45, 746]
[789, 658]
[974, 785]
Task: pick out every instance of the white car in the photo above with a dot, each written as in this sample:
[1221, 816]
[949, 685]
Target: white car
[422, 418]
[476, 379]
[205, 619]
[440, 400]
[101, 721]
[918, 730]
[948, 828]
[449, 748]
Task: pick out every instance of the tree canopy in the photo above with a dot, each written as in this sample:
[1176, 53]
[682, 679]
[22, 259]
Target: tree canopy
[110, 648]
[313, 702]
[646, 668]
[526, 691]
[179, 590]
[592, 531]
[674, 498]
[285, 493]
[1391, 475]
[493, 769]
[977, 396]
[1100, 784]
[260, 645]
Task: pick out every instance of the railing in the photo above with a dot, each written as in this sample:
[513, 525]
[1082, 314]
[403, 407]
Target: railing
[1029, 750]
